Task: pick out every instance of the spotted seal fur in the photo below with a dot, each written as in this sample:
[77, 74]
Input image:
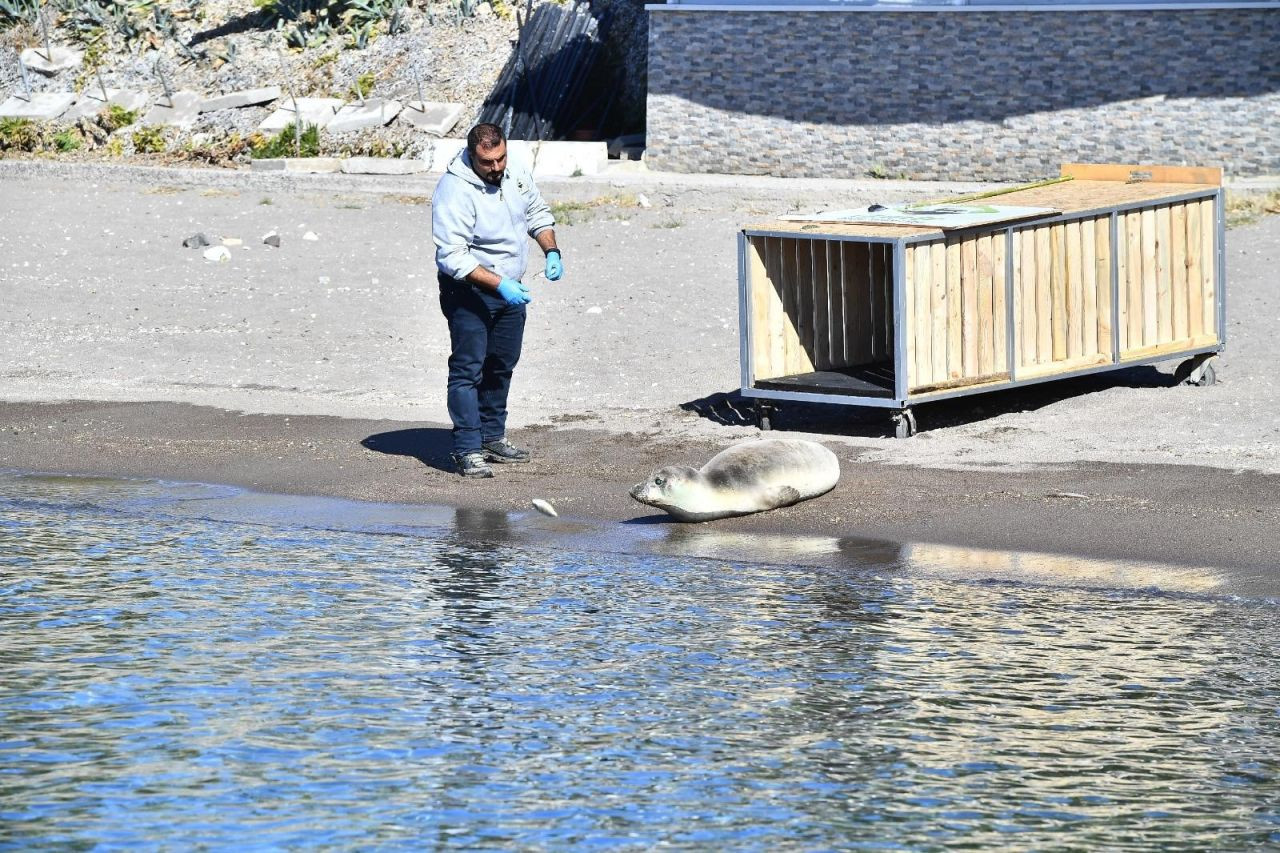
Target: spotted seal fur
[742, 479]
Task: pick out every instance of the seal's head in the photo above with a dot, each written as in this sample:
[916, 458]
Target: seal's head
[667, 487]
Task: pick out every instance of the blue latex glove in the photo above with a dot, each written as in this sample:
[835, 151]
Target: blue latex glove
[513, 292]
[555, 265]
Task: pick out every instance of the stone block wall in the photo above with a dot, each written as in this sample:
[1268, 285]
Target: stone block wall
[938, 95]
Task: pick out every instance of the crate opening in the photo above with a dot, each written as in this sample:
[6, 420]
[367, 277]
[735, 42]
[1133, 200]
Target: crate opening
[822, 315]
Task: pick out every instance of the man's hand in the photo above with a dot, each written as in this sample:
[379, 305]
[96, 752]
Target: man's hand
[555, 266]
[513, 292]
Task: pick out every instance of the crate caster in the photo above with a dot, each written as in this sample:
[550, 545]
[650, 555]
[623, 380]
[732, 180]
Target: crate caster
[1198, 370]
[764, 415]
[904, 423]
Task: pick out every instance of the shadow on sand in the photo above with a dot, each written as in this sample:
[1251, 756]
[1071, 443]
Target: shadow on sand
[730, 408]
[430, 446]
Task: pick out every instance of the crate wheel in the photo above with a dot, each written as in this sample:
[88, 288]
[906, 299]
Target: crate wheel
[764, 416]
[904, 424]
[1198, 370]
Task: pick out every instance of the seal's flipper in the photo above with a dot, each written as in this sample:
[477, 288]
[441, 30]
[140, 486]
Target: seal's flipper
[781, 496]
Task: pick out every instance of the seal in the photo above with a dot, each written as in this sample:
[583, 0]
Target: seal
[742, 479]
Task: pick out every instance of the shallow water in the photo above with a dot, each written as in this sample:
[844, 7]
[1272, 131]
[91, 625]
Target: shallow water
[190, 665]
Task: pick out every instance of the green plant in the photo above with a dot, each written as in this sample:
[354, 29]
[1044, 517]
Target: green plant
[115, 117]
[19, 134]
[67, 140]
[115, 147]
[878, 171]
[149, 140]
[363, 86]
[284, 143]
[266, 200]
[14, 12]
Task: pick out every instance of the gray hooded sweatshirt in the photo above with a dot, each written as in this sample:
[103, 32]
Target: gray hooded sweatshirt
[476, 224]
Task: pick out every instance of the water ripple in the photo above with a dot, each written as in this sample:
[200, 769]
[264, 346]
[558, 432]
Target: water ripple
[171, 680]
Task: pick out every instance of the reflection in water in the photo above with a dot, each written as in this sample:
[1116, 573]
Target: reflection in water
[167, 679]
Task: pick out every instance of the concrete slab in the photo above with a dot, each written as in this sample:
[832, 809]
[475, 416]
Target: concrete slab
[244, 98]
[431, 116]
[90, 102]
[374, 112]
[442, 152]
[59, 59]
[42, 106]
[180, 111]
[298, 165]
[317, 111]
[566, 159]
[382, 166]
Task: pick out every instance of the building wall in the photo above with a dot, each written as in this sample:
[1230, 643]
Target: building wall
[961, 95]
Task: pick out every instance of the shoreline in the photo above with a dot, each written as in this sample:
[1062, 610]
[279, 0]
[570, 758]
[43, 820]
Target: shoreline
[1108, 512]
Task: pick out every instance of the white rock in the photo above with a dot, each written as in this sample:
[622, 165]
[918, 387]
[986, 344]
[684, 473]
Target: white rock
[643, 200]
[310, 235]
[232, 241]
[595, 309]
[544, 507]
[217, 253]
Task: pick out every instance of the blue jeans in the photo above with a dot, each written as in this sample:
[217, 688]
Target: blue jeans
[485, 333]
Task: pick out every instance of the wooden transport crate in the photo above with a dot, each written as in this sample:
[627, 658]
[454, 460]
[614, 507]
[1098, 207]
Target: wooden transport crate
[1130, 271]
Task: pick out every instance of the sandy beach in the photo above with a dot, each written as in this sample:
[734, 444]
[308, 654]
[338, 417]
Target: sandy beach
[318, 367]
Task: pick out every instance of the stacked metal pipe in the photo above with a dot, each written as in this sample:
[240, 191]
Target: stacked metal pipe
[537, 95]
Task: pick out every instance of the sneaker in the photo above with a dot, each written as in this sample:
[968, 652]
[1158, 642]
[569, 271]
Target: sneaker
[472, 465]
[501, 450]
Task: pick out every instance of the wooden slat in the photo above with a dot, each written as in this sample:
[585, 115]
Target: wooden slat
[1024, 296]
[1044, 296]
[1102, 277]
[1133, 290]
[955, 341]
[890, 333]
[1209, 267]
[1208, 175]
[1064, 366]
[875, 275]
[759, 289]
[1164, 274]
[821, 320]
[802, 351]
[822, 230]
[1102, 274]
[1078, 197]
[1195, 284]
[835, 306]
[857, 304]
[1169, 348]
[1150, 280]
[1178, 292]
[777, 316]
[909, 292]
[1075, 290]
[969, 305]
[921, 317]
[938, 310]
[1088, 288]
[999, 301]
[1058, 289]
[787, 292]
[986, 305]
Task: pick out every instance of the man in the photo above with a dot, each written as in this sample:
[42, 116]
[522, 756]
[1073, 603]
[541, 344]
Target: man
[480, 213]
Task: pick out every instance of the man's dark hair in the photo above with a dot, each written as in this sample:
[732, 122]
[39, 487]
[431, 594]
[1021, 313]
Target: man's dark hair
[484, 136]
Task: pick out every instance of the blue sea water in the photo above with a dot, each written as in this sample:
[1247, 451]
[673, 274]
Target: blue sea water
[191, 666]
